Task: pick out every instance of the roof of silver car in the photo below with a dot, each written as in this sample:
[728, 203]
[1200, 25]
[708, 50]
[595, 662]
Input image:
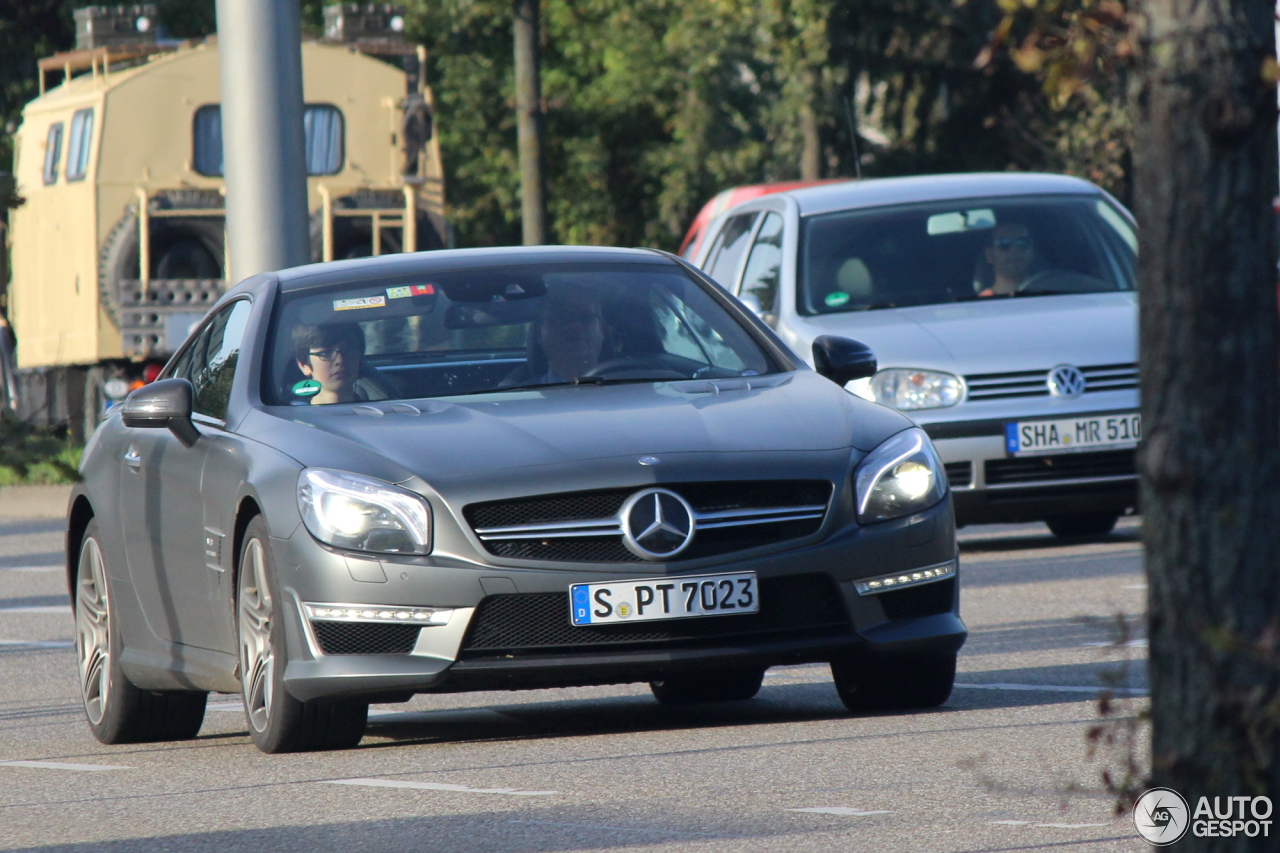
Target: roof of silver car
[879, 192]
[359, 269]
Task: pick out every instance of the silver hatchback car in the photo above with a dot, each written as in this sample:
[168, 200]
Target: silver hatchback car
[1002, 312]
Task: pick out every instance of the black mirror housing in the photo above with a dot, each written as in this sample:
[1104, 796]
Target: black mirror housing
[843, 360]
[163, 404]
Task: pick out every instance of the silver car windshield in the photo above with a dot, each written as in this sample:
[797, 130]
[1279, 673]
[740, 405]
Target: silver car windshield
[502, 329]
[934, 253]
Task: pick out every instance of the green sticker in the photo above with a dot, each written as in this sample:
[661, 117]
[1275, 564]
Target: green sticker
[306, 388]
[835, 300]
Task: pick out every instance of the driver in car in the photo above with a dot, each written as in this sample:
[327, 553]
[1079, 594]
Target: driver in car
[568, 335]
[331, 357]
[1011, 255]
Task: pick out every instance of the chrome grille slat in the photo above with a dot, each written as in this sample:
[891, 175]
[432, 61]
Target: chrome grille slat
[1034, 383]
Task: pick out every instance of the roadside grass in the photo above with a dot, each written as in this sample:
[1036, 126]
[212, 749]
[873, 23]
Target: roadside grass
[31, 455]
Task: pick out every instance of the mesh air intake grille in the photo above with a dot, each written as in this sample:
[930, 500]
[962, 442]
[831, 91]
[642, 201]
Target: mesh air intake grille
[364, 638]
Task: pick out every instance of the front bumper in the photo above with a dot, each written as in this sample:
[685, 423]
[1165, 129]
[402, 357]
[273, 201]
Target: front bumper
[920, 620]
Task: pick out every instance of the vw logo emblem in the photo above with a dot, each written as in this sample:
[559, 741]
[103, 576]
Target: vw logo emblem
[657, 524]
[1066, 381]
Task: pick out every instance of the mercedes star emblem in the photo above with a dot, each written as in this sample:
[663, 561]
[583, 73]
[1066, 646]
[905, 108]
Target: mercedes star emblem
[657, 524]
[1066, 381]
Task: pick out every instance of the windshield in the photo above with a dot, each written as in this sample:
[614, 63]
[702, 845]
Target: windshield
[954, 251]
[504, 328]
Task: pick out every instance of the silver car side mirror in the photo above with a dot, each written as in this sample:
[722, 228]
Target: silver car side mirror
[162, 404]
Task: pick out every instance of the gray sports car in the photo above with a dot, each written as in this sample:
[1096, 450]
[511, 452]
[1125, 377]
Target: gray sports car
[494, 469]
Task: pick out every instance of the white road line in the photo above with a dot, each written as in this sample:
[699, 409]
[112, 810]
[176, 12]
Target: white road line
[1057, 688]
[224, 706]
[50, 608]
[626, 829]
[437, 786]
[1048, 825]
[38, 644]
[33, 568]
[842, 810]
[60, 765]
[1131, 644]
[1010, 823]
[1135, 586]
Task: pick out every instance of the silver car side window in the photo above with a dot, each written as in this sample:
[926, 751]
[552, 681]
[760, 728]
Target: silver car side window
[729, 247]
[764, 264]
[213, 363]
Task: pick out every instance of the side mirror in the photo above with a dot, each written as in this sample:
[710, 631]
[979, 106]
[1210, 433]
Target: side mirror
[843, 360]
[163, 404]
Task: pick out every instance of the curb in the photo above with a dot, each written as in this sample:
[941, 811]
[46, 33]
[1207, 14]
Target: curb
[34, 501]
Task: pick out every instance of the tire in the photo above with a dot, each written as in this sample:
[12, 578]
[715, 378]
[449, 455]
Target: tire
[277, 721]
[1083, 524]
[735, 685]
[897, 684]
[118, 711]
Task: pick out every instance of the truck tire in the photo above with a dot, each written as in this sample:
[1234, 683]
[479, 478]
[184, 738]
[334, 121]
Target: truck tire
[181, 247]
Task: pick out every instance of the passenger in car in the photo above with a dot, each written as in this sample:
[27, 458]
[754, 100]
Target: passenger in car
[331, 358]
[1011, 256]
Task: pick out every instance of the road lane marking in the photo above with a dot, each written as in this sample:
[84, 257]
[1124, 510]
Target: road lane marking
[33, 568]
[843, 810]
[38, 644]
[1058, 688]
[626, 829]
[46, 608]
[1011, 823]
[1131, 644]
[437, 786]
[60, 765]
[1048, 825]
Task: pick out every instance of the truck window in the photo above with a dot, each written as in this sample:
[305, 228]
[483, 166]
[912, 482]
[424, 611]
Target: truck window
[52, 153]
[322, 123]
[78, 144]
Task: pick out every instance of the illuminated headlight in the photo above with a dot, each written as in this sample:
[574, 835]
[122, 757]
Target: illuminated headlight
[901, 476]
[367, 613]
[363, 514]
[908, 390]
[915, 577]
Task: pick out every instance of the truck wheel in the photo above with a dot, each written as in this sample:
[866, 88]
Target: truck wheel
[897, 684]
[1083, 524]
[117, 711]
[735, 685]
[277, 721]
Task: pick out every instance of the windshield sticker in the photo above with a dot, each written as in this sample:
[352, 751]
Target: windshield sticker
[835, 300]
[362, 302]
[411, 290]
[306, 388]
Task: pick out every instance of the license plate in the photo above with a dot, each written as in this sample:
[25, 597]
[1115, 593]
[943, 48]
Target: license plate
[662, 598]
[1083, 433]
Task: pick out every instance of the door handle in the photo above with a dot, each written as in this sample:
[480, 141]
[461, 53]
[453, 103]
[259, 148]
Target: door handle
[132, 457]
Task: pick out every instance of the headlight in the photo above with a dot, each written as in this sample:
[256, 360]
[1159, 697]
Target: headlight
[908, 389]
[363, 514]
[901, 476]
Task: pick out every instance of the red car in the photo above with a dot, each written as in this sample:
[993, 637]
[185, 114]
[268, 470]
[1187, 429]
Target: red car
[727, 199]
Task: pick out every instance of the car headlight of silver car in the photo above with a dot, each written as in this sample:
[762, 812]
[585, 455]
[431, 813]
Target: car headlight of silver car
[908, 390]
[363, 514]
[901, 476]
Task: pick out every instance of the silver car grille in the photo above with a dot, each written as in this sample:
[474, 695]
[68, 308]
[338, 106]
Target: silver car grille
[1035, 383]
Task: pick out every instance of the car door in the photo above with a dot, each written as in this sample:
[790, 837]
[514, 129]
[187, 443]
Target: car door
[162, 497]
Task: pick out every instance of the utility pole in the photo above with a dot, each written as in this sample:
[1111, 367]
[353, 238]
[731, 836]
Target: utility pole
[264, 152]
[533, 205]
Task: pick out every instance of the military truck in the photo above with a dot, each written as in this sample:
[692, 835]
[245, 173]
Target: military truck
[118, 244]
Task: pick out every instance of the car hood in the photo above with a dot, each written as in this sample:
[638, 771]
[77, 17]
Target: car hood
[491, 434]
[995, 335]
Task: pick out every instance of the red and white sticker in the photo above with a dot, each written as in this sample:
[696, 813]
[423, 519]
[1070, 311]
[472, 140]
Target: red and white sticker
[411, 290]
[361, 302]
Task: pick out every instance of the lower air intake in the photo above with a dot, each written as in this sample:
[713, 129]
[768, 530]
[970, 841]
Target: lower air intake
[363, 638]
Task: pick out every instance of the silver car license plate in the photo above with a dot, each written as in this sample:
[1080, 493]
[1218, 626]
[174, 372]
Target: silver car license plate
[1028, 438]
[663, 598]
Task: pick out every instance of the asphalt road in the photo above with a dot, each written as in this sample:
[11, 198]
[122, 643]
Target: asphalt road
[1002, 766]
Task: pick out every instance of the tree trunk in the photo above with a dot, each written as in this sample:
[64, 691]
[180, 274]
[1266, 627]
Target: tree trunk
[811, 148]
[1205, 175]
[533, 208]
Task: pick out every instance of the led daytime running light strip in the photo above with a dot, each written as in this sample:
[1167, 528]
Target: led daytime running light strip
[367, 613]
[915, 577]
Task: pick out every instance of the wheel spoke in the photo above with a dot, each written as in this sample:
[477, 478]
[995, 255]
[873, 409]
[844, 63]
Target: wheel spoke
[93, 631]
[257, 657]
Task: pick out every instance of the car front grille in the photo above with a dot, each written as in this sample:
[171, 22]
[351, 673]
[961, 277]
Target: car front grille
[1035, 383]
[536, 623]
[959, 474]
[1068, 466]
[584, 526]
[364, 638]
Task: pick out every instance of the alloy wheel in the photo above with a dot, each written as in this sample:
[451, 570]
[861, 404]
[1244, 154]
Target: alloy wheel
[93, 631]
[257, 656]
